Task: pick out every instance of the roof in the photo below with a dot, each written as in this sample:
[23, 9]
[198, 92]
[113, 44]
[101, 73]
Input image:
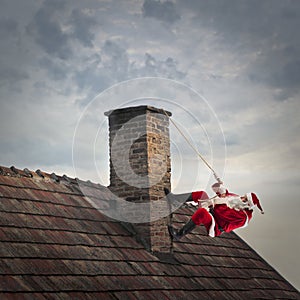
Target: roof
[53, 243]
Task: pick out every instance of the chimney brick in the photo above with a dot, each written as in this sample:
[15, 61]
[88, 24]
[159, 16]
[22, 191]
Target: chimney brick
[140, 168]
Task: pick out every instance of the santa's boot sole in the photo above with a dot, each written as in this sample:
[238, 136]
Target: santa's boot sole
[173, 233]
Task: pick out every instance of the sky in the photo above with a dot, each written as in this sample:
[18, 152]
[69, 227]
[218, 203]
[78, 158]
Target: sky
[229, 71]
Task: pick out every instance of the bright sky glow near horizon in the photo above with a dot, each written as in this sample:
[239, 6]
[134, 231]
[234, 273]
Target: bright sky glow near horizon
[241, 56]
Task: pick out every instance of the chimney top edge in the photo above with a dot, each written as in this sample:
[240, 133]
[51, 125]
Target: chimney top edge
[142, 108]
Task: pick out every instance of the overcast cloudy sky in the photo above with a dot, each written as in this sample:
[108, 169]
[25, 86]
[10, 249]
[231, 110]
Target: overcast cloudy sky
[241, 56]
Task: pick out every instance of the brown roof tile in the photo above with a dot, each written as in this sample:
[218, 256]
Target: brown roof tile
[55, 244]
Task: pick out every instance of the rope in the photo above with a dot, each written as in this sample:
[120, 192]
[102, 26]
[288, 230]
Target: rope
[194, 148]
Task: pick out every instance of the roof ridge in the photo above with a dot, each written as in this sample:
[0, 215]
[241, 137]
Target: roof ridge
[40, 175]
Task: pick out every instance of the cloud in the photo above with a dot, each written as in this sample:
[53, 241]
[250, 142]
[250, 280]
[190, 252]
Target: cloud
[32, 150]
[263, 32]
[241, 19]
[287, 79]
[10, 73]
[163, 11]
[115, 60]
[99, 70]
[82, 24]
[151, 66]
[8, 28]
[282, 75]
[57, 29]
[48, 32]
[10, 76]
[54, 28]
[56, 70]
[113, 64]
[290, 75]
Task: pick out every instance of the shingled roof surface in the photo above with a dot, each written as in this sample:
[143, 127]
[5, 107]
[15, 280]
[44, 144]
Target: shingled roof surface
[55, 245]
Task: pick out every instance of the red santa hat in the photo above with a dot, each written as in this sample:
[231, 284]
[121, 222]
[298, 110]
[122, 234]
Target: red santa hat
[219, 188]
[254, 201]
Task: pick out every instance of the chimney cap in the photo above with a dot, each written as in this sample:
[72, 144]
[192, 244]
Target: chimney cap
[141, 108]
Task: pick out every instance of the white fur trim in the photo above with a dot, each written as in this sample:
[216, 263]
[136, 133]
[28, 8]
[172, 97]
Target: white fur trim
[237, 203]
[246, 222]
[234, 202]
[211, 231]
[219, 200]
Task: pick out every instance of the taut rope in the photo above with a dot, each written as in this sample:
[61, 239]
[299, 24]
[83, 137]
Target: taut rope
[194, 148]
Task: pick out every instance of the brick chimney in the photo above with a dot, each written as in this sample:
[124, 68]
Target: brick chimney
[139, 170]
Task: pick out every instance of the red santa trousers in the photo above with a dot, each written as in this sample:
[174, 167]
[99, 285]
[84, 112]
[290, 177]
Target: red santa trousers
[202, 216]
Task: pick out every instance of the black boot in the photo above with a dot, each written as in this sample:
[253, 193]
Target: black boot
[187, 197]
[187, 228]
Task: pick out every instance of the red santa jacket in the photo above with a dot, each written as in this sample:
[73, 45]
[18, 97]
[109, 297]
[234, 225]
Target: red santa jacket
[228, 218]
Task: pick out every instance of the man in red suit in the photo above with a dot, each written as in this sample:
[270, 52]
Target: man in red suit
[222, 213]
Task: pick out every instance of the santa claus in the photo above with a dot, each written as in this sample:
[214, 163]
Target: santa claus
[222, 213]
